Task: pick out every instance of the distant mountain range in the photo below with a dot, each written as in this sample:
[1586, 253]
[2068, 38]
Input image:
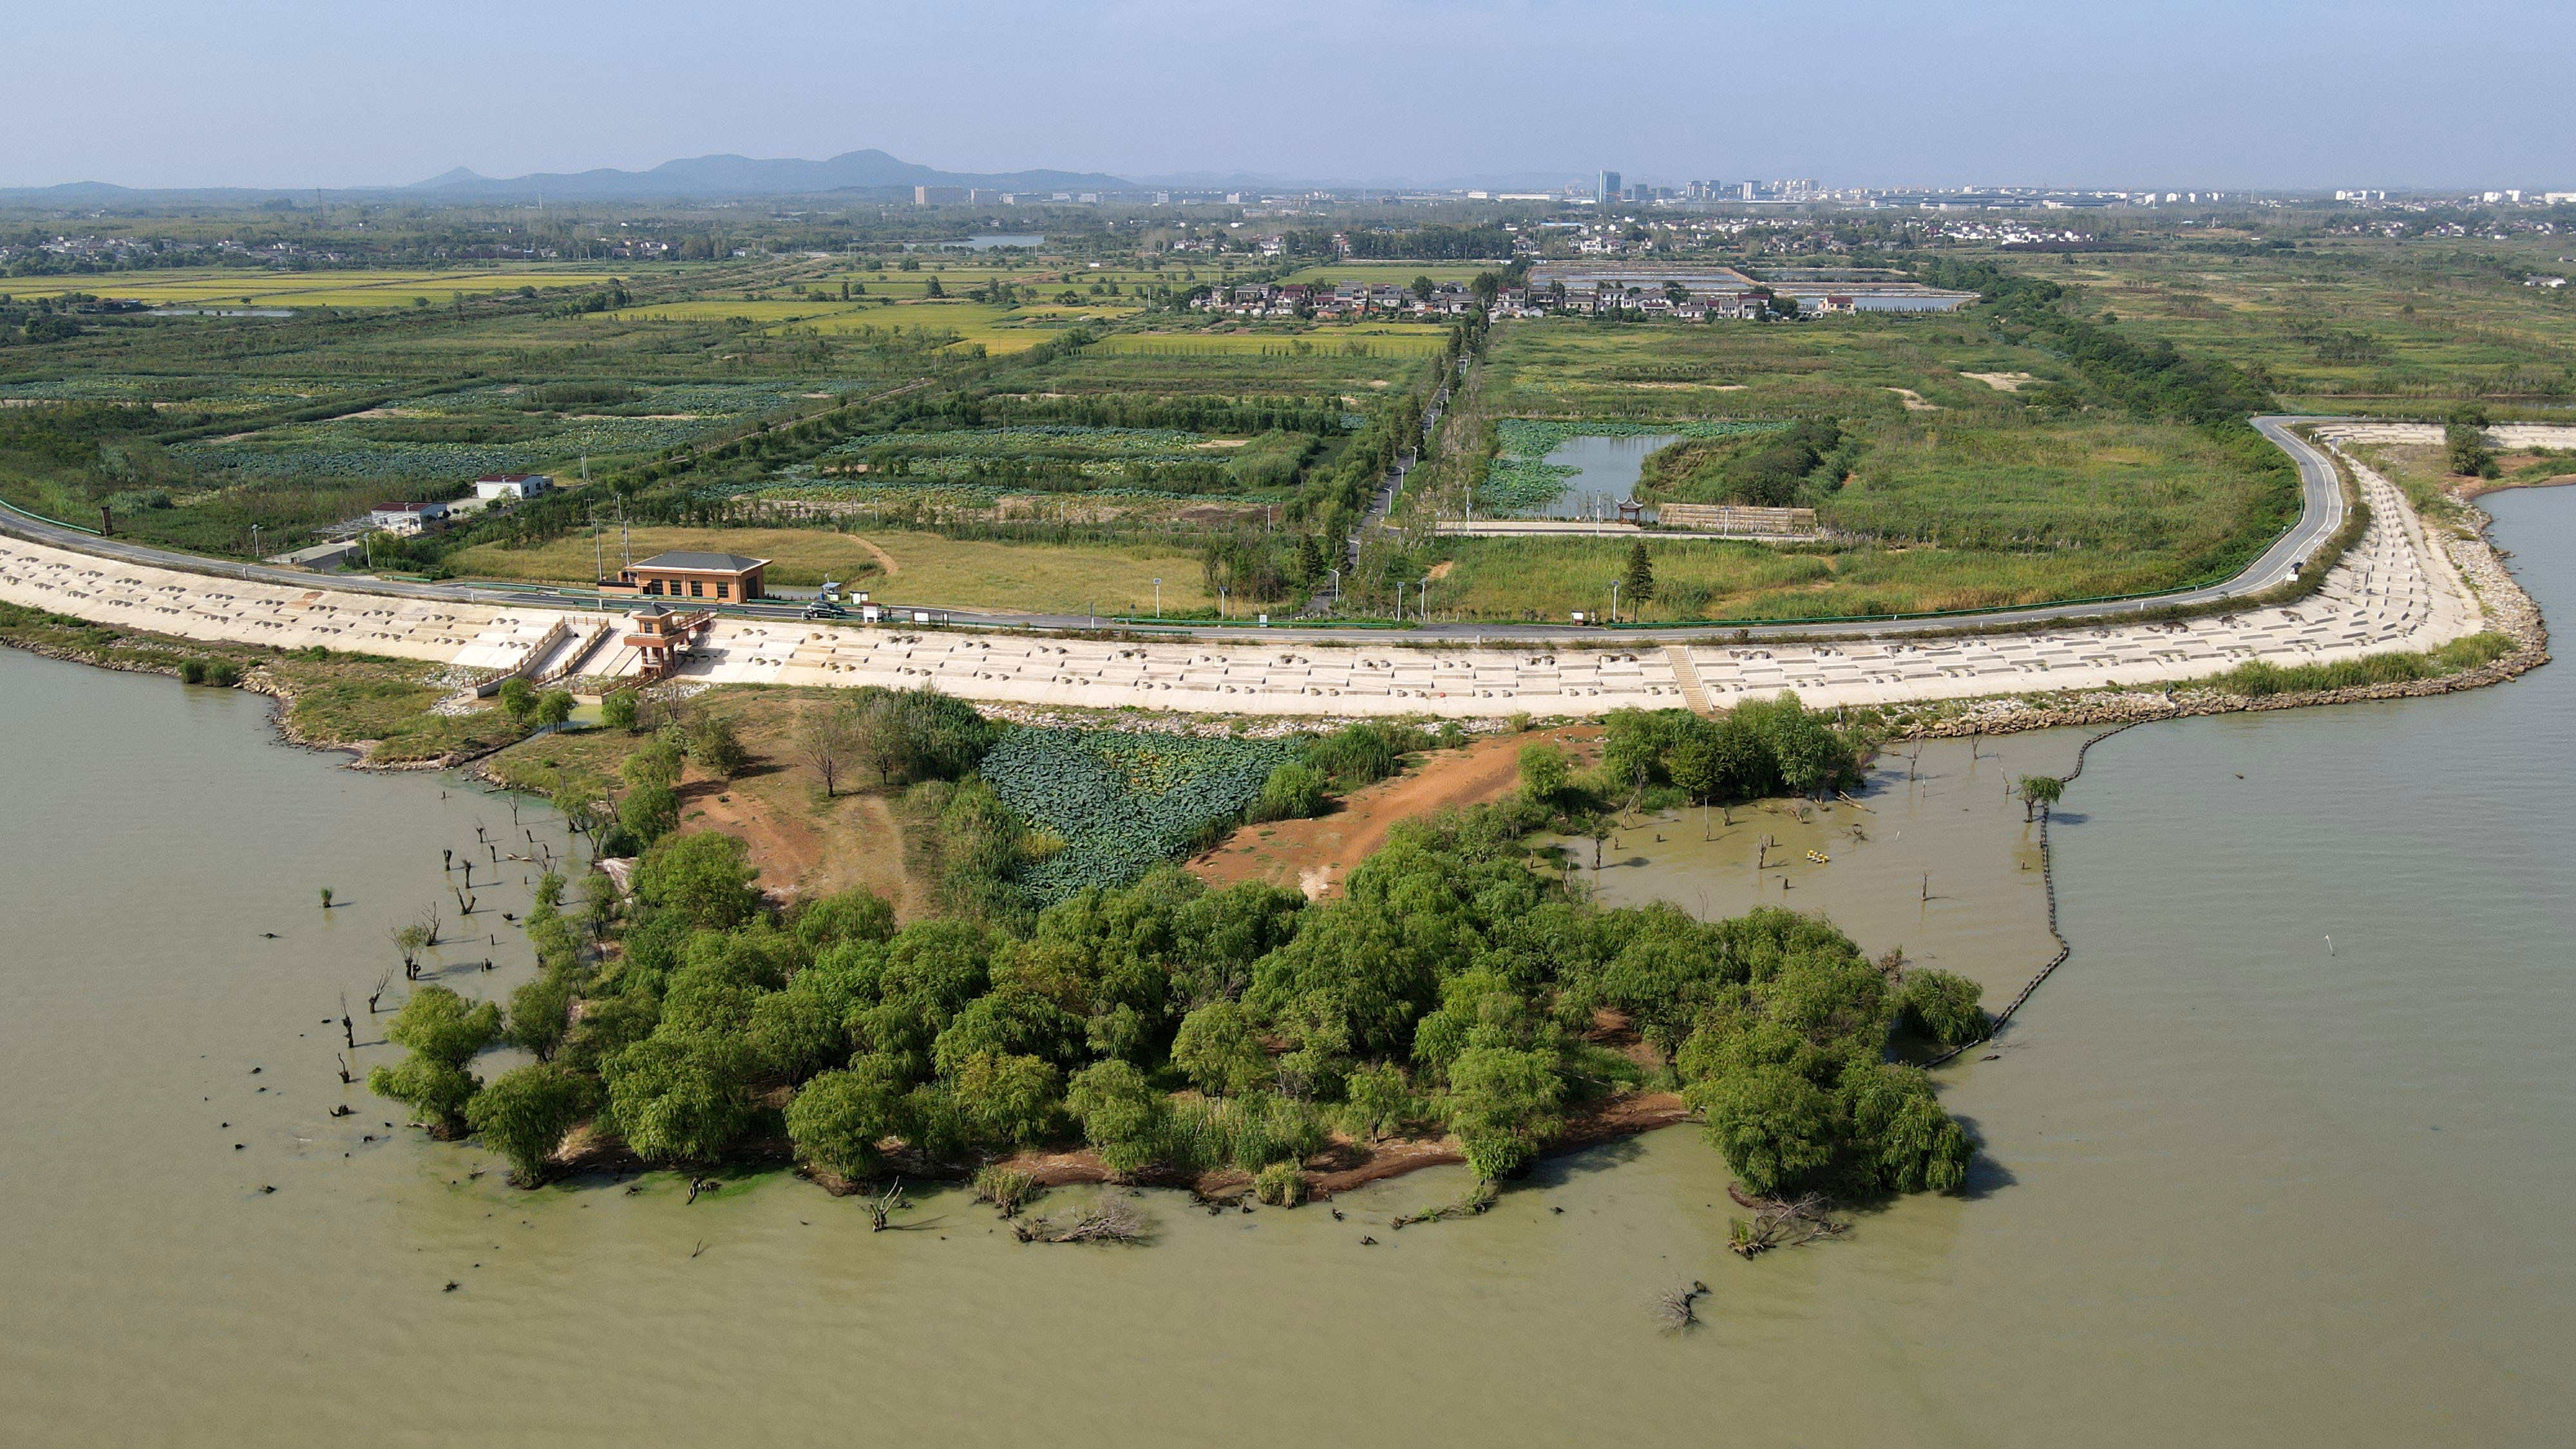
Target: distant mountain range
[705, 176]
[697, 178]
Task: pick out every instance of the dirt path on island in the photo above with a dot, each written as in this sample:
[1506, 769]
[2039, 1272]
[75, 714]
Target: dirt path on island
[1312, 855]
[805, 849]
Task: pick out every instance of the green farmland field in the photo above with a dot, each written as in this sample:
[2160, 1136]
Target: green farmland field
[221, 287]
[1947, 491]
[1057, 444]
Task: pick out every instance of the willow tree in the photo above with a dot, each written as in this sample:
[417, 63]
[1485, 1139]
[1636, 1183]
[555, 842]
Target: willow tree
[2040, 792]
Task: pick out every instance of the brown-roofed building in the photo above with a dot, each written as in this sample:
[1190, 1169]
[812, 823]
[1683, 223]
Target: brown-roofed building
[725, 578]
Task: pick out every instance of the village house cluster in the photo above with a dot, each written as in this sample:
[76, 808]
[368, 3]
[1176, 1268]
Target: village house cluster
[1337, 299]
[1674, 300]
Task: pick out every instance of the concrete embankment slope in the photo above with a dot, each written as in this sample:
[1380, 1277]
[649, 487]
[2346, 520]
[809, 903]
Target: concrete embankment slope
[2396, 590]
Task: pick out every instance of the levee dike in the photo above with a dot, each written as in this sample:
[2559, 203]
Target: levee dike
[2398, 588]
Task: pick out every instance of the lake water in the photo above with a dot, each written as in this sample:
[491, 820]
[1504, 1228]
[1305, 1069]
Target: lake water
[1606, 472]
[2237, 1187]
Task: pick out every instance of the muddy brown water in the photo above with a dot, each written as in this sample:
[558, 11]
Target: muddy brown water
[2236, 1189]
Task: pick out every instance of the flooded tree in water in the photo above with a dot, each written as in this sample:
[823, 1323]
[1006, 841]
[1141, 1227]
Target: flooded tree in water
[2040, 792]
[443, 1033]
[525, 1113]
[410, 940]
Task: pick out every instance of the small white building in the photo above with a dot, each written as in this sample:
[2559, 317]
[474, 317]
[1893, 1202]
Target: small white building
[405, 518]
[512, 485]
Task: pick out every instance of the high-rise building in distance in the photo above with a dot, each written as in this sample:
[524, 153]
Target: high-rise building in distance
[1608, 191]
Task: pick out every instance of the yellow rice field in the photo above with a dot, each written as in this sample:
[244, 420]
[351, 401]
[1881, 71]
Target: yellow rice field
[208, 287]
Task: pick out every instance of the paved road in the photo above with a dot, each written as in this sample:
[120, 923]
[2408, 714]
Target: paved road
[2322, 512]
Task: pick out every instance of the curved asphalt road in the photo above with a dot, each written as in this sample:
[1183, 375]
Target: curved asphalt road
[2322, 513]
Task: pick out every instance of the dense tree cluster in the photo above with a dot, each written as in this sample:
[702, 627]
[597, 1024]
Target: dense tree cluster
[2464, 445]
[1759, 748]
[1457, 985]
[2150, 380]
[1432, 241]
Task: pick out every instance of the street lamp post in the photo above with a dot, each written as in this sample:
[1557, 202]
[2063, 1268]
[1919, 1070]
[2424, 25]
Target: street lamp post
[1158, 597]
[1422, 601]
[254, 548]
[1614, 601]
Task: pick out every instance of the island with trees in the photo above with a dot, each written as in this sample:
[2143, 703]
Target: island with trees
[1461, 999]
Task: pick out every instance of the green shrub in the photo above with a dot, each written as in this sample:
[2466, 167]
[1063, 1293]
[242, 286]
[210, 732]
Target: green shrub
[681, 1099]
[443, 1033]
[1899, 1139]
[1007, 1098]
[717, 750]
[436, 1090]
[1293, 792]
[1942, 1006]
[856, 914]
[1377, 1102]
[1219, 1052]
[1362, 754]
[525, 1113]
[839, 1117]
[518, 699]
[1125, 1120]
[705, 876]
[1281, 1184]
[2474, 652]
[1005, 1188]
[1503, 1106]
[1246, 1132]
[541, 1015]
[1544, 772]
[1773, 1126]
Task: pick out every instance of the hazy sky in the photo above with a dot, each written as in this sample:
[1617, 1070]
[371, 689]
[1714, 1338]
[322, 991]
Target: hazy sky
[1852, 92]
